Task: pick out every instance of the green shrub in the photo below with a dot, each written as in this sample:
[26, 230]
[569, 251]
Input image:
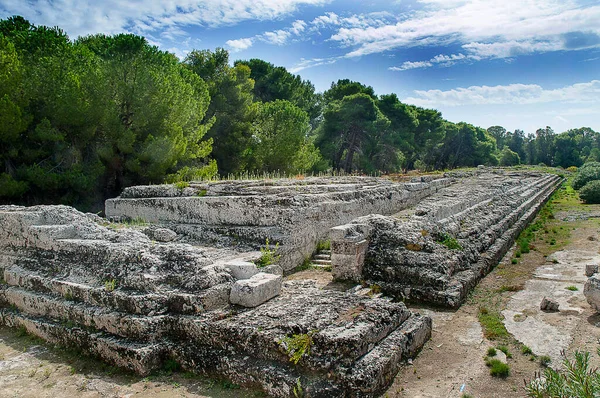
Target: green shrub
[590, 193]
[588, 172]
[268, 256]
[498, 368]
[575, 380]
[572, 169]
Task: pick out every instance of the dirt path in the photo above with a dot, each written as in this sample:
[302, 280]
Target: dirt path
[451, 364]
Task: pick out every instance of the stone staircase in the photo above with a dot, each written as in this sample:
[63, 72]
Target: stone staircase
[322, 259]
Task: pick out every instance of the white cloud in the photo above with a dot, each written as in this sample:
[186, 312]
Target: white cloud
[516, 94]
[298, 27]
[78, 17]
[491, 27]
[311, 63]
[445, 60]
[412, 65]
[278, 37]
[239, 44]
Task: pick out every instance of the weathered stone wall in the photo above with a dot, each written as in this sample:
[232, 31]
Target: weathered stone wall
[296, 213]
[137, 302]
[483, 213]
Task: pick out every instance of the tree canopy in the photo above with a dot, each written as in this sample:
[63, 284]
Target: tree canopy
[82, 119]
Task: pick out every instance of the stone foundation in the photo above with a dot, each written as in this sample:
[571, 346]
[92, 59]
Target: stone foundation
[136, 303]
[296, 213]
[437, 251]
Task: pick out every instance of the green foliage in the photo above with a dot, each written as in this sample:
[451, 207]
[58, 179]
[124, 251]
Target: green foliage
[181, 185]
[498, 368]
[449, 241]
[298, 391]
[545, 360]
[526, 350]
[493, 327]
[505, 350]
[110, 285]
[590, 193]
[491, 352]
[509, 158]
[297, 346]
[588, 172]
[576, 379]
[572, 288]
[268, 256]
[324, 245]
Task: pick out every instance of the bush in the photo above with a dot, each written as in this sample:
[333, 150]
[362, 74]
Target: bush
[590, 193]
[588, 172]
[498, 368]
[576, 380]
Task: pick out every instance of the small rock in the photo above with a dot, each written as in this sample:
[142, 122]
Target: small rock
[160, 234]
[549, 304]
[591, 269]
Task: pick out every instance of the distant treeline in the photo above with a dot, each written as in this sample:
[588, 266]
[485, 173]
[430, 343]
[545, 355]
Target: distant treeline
[80, 120]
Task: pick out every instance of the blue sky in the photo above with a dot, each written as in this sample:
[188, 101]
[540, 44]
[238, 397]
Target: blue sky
[522, 64]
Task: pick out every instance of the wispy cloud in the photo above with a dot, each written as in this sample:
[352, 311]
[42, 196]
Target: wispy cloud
[519, 94]
[311, 63]
[146, 16]
[485, 28]
[445, 60]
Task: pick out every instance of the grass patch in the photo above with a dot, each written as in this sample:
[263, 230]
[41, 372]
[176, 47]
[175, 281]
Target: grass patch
[110, 285]
[545, 360]
[505, 350]
[498, 368]
[526, 350]
[572, 288]
[491, 352]
[491, 321]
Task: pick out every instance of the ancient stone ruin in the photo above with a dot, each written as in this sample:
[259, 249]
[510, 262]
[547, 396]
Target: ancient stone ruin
[183, 285]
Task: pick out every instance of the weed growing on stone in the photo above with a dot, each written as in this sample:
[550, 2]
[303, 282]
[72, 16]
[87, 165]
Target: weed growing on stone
[202, 192]
[268, 256]
[491, 352]
[181, 185]
[110, 285]
[298, 391]
[450, 242]
[572, 288]
[69, 296]
[324, 245]
[498, 368]
[297, 346]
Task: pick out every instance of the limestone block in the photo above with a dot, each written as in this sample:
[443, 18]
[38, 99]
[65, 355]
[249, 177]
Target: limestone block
[272, 269]
[256, 290]
[348, 262]
[591, 291]
[160, 234]
[242, 269]
[591, 269]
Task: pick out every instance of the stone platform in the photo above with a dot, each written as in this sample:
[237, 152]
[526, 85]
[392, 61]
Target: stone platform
[437, 251]
[77, 280]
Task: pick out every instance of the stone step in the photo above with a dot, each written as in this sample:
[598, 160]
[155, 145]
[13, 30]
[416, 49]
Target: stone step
[325, 252]
[321, 262]
[322, 256]
[137, 357]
